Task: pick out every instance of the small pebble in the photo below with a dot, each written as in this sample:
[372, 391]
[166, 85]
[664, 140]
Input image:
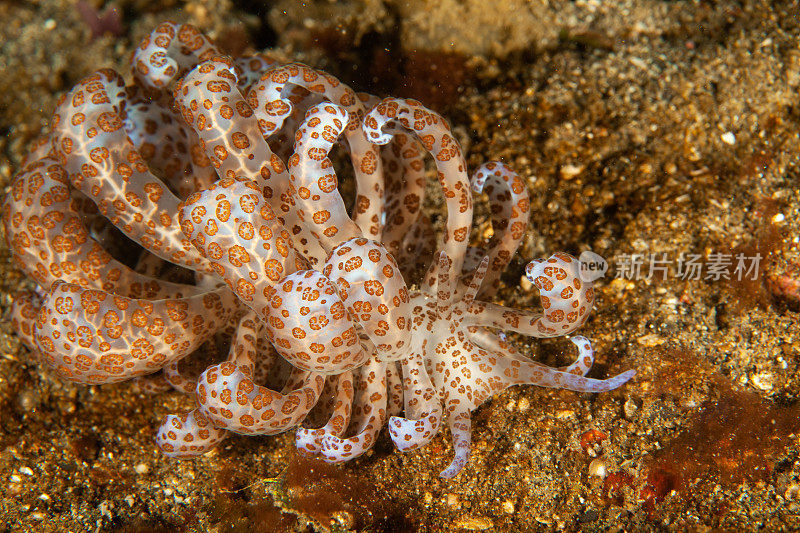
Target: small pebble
[763, 381]
[598, 467]
[728, 138]
[570, 171]
[28, 400]
[26, 470]
[142, 468]
[343, 519]
[630, 408]
[650, 340]
[473, 523]
[105, 510]
[523, 404]
[508, 507]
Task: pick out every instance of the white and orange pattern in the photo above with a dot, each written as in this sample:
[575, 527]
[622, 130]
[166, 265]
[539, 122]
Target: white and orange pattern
[325, 331]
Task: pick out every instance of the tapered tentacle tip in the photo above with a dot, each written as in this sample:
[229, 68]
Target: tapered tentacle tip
[402, 433]
[382, 138]
[332, 450]
[308, 441]
[530, 269]
[445, 282]
[336, 450]
[566, 298]
[377, 124]
[460, 426]
[583, 363]
[623, 378]
[377, 132]
[410, 434]
[477, 279]
[579, 341]
[187, 436]
[454, 468]
[610, 384]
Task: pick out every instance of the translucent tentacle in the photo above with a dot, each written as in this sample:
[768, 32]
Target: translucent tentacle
[314, 180]
[583, 363]
[404, 165]
[188, 435]
[311, 441]
[423, 410]
[211, 102]
[519, 372]
[93, 337]
[372, 287]
[477, 282]
[467, 382]
[162, 58]
[230, 399]
[169, 146]
[45, 230]
[566, 300]
[510, 207]
[461, 428]
[301, 101]
[102, 162]
[394, 384]
[368, 418]
[232, 225]
[309, 325]
[273, 107]
[435, 135]
[249, 69]
[497, 343]
[193, 434]
[445, 287]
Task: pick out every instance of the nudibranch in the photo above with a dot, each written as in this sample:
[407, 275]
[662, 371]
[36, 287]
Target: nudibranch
[215, 177]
